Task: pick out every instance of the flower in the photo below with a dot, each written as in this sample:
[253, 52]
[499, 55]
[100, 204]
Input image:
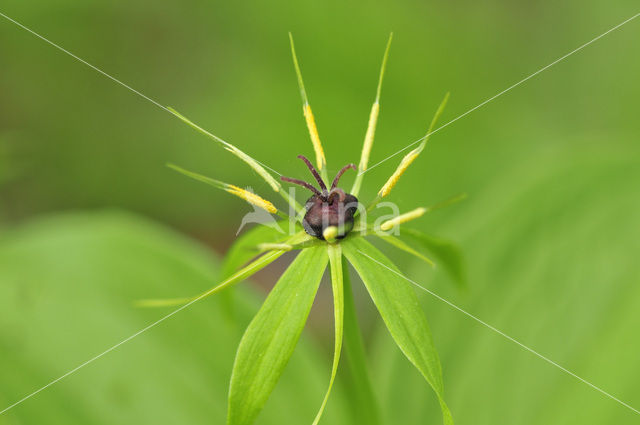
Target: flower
[330, 229]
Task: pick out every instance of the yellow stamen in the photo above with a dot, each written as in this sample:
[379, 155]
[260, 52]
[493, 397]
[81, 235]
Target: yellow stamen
[315, 137]
[257, 167]
[252, 198]
[308, 116]
[371, 127]
[404, 164]
[368, 138]
[402, 218]
[411, 156]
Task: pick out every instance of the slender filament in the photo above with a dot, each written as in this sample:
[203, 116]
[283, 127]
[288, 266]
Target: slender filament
[340, 173]
[315, 173]
[301, 183]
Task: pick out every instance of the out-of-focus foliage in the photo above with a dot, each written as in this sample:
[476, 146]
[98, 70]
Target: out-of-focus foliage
[550, 231]
[554, 267]
[68, 285]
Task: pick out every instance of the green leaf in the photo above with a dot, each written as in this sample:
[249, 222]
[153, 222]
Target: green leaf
[364, 405]
[447, 253]
[272, 335]
[398, 243]
[335, 260]
[67, 284]
[398, 305]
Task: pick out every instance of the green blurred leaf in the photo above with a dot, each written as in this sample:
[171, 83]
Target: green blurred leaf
[362, 400]
[399, 308]
[271, 337]
[335, 260]
[447, 253]
[67, 287]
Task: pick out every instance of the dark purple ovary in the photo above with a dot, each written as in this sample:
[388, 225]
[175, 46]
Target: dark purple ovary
[327, 208]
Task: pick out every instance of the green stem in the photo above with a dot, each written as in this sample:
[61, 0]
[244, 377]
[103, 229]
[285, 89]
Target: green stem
[365, 406]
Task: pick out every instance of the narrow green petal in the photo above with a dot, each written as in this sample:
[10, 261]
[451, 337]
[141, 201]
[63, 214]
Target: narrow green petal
[335, 260]
[371, 127]
[411, 156]
[271, 337]
[436, 117]
[321, 161]
[398, 243]
[401, 312]
[257, 166]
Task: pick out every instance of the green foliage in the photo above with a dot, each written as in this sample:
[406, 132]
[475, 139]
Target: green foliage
[550, 236]
[365, 407]
[549, 263]
[398, 305]
[270, 339]
[337, 286]
[67, 289]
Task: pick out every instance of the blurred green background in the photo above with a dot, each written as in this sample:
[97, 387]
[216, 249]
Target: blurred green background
[91, 219]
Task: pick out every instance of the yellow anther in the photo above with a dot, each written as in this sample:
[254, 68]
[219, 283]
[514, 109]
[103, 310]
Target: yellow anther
[368, 138]
[315, 138]
[403, 218]
[257, 167]
[404, 164]
[252, 198]
[371, 127]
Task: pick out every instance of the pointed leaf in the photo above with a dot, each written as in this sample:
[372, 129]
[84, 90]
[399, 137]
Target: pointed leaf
[272, 335]
[335, 259]
[447, 253]
[361, 395]
[399, 307]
